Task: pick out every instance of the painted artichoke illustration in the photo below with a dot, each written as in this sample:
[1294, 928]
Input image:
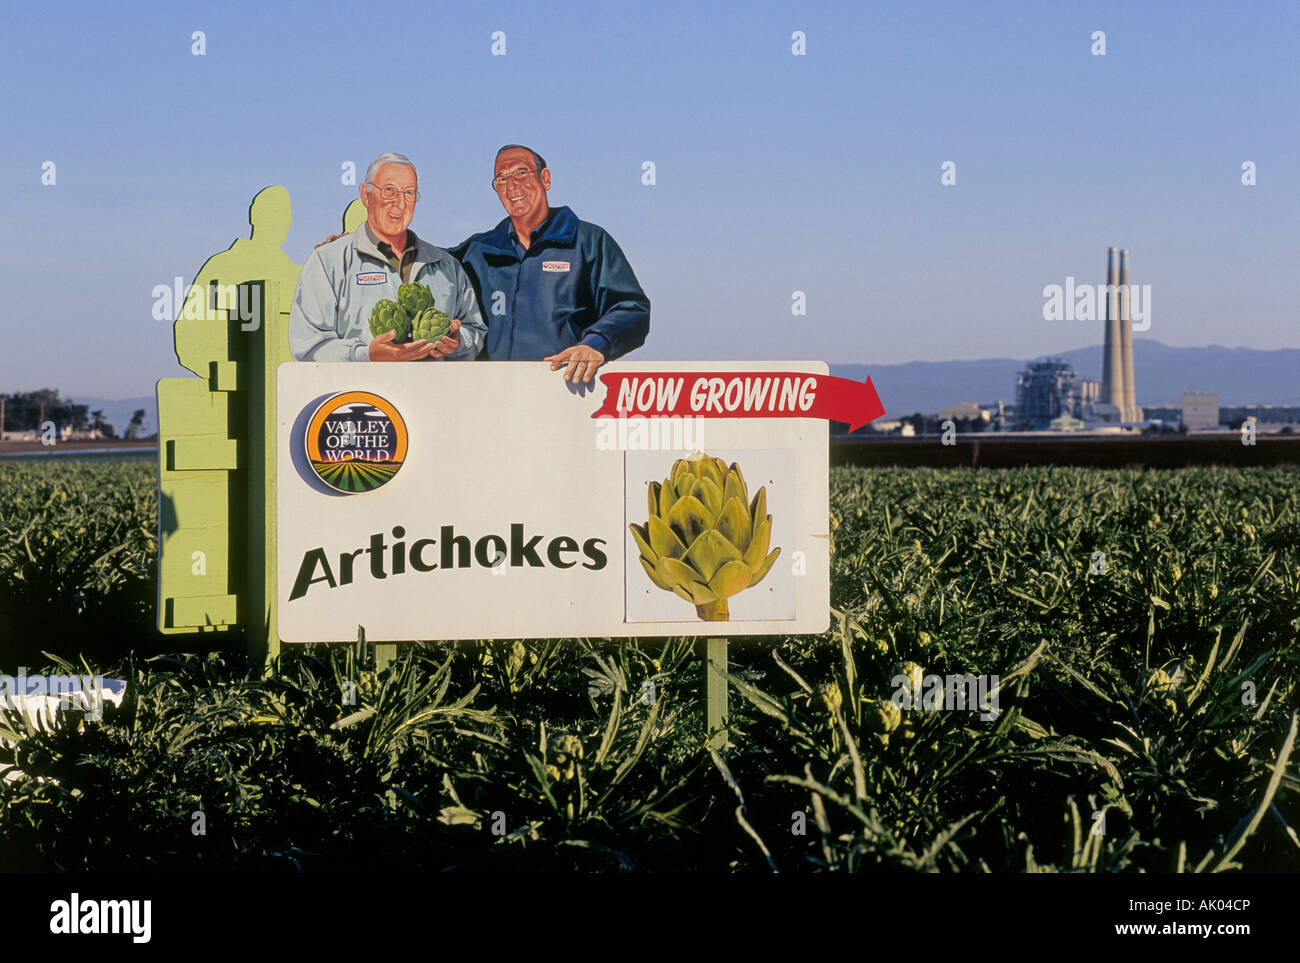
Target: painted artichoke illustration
[414, 298]
[430, 325]
[388, 315]
[705, 540]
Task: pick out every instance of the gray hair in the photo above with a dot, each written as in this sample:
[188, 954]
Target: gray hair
[383, 159]
[537, 158]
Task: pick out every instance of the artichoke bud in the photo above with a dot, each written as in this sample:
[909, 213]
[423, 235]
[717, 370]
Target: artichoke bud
[1167, 686]
[566, 749]
[881, 717]
[414, 298]
[388, 315]
[913, 679]
[704, 540]
[431, 325]
[518, 651]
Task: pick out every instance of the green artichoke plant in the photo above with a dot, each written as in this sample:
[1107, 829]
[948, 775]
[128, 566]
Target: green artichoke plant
[388, 315]
[704, 539]
[414, 298]
[882, 717]
[431, 325]
[909, 689]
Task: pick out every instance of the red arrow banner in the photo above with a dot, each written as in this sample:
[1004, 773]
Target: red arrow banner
[740, 394]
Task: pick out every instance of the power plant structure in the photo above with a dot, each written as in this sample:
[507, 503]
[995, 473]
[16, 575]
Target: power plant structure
[1118, 396]
[1050, 395]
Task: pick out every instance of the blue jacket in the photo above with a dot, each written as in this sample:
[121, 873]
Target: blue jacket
[572, 285]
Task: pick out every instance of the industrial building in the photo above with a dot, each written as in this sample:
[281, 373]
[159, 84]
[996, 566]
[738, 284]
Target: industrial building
[1043, 392]
[1199, 410]
[1050, 394]
[965, 411]
[1046, 390]
[1118, 394]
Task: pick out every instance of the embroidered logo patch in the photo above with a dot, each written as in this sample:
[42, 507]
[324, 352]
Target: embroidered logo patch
[379, 278]
[560, 266]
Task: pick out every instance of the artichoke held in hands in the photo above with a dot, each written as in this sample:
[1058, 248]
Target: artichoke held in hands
[431, 325]
[388, 315]
[414, 298]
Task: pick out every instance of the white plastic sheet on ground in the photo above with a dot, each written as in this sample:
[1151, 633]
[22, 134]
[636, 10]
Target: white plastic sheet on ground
[44, 702]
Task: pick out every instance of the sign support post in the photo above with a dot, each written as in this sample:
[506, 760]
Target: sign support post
[715, 691]
[266, 350]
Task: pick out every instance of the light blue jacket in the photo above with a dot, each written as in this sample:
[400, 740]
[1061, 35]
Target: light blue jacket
[343, 281]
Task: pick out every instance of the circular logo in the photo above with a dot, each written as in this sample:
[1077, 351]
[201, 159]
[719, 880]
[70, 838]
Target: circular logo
[356, 442]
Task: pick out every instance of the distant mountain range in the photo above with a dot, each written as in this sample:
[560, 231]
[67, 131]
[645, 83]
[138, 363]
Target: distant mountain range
[1240, 376]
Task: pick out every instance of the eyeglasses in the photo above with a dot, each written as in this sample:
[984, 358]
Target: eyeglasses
[390, 193]
[513, 177]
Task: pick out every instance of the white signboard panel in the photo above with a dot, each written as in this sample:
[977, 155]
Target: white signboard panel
[483, 500]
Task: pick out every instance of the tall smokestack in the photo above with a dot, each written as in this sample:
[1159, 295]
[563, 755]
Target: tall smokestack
[1131, 410]
[1112, 378]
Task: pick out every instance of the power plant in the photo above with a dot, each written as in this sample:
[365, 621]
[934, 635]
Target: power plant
[1051, 396]
[1118, 396]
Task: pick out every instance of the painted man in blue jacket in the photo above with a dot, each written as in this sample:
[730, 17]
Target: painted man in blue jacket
[551, 287]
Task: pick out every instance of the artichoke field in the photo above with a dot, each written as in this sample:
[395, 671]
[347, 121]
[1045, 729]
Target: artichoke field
[1143, 626]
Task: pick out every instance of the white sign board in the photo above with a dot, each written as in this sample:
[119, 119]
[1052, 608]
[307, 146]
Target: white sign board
[447, 500]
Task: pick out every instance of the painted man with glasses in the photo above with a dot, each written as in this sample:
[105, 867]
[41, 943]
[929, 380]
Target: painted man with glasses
[344, 279]
[553, 288]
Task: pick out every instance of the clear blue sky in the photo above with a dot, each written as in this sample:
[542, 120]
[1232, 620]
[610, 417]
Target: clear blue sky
[775, 172]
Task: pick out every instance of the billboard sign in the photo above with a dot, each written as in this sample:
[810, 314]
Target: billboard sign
[470, 501]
